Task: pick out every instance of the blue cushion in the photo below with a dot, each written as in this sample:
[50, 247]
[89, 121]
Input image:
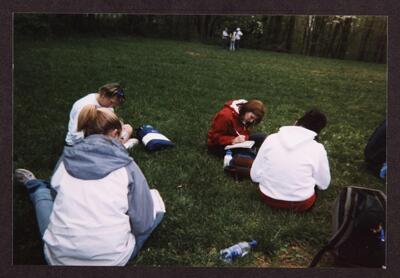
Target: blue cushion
[152, 139]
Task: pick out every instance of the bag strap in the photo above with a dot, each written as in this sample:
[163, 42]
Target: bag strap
[338, 238]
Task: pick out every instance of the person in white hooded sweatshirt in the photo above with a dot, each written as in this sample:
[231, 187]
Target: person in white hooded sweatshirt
[290, 163]
[103, 210]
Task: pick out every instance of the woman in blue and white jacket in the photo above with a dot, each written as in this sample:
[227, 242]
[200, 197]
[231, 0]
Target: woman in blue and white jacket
[103, 210]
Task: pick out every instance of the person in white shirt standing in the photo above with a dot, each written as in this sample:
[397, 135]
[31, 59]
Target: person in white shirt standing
[290, 163]
[239, 34]
[225, 38]
[109, 96]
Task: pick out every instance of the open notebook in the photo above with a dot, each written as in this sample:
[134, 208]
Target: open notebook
[158, 203]
[245, 145]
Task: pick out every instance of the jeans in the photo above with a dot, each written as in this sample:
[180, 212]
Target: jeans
[225, 42]
[140, 239]
[42, 197]
[232, 46]
[237, 44]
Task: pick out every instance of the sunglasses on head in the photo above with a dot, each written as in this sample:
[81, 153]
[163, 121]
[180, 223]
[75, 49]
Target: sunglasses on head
[120, 94]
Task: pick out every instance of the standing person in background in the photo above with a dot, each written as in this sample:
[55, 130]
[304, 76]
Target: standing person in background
[232, 41]
[103, 211]
[291, 163]
[109, 96]
[239, 34]
[233, 123]
[225, 38]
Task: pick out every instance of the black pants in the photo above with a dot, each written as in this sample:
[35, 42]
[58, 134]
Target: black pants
[225, 42]
[237, 44]
[258, 138]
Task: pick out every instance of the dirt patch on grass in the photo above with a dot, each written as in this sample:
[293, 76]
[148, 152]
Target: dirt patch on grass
[191, 53]
[263, 261]
[318, 73]
[293, 256]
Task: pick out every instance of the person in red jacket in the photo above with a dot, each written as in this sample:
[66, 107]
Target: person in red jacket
[233, 123]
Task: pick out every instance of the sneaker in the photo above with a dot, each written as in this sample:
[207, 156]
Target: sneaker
[131, 143]
[23, 175]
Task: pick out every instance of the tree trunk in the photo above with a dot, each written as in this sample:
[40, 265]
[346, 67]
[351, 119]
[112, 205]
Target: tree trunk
[364, 40]
[380, 53]
[267, 30]
[289, 33]
[308, 32]
[317, 33]
[342, 48]
[211, 26]
[331, 50]
[276, 31]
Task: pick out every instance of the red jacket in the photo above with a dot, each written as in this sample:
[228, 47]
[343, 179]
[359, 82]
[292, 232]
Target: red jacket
[226, 125]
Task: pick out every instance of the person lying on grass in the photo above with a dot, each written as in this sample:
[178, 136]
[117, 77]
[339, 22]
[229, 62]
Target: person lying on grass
[291, 163]
[233, 123]
[110, 96]
[103, 210]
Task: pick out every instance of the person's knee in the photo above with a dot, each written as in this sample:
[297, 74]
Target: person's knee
[128, 128]
[126, 133]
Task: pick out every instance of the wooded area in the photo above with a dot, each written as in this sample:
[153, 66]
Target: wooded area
[361, 38]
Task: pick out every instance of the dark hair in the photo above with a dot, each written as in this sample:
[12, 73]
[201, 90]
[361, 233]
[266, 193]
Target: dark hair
[313, 120]
[255, 106]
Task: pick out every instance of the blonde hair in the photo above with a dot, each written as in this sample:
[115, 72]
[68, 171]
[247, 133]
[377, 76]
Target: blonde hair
[109, 89]
[93, 120]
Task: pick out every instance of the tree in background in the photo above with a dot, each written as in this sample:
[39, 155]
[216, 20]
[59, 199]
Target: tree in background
[343, 37]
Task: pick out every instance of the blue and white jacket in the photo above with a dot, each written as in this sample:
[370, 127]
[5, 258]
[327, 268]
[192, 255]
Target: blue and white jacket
[103, 202]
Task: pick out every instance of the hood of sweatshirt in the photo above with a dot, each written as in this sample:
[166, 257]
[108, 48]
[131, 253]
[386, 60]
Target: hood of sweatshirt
[234, 104]
[294, 136]
[95, 157]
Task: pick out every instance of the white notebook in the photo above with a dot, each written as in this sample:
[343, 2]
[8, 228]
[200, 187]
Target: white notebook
[246, 145]
[158, 202]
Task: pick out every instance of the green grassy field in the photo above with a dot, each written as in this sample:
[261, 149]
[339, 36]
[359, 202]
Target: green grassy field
[178, 87]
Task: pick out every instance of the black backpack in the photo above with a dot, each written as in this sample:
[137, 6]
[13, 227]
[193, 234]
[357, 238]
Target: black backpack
[375, 150]
[358, 229]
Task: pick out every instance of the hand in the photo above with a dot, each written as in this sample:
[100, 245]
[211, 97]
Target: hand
[239, 139]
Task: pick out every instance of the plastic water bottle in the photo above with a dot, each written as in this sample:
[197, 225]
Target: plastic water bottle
[382, 173]
[227, 158]
[382, 235]
[240, 249]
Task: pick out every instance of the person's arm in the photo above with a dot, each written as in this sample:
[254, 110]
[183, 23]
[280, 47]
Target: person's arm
[257, 166]
[73, 126]
[221, 128]
[56, 176]
[140, 202]
[322, 173]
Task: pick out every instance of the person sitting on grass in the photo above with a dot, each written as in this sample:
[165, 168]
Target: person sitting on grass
[233, 123]
[103, 210]
[291, 163]
[110, 95]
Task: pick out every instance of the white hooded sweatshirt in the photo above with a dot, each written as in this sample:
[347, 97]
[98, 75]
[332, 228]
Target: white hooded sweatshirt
[290, 163]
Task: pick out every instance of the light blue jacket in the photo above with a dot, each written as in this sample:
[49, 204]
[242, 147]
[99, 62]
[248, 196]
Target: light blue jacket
[103, 204]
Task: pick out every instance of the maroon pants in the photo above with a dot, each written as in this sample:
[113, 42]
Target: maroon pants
[297, 206]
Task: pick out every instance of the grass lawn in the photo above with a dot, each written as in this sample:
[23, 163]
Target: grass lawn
[178, 87]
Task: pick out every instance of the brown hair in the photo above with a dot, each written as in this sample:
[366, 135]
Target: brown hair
[109, 89]
[255, 106]
[93, 120]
